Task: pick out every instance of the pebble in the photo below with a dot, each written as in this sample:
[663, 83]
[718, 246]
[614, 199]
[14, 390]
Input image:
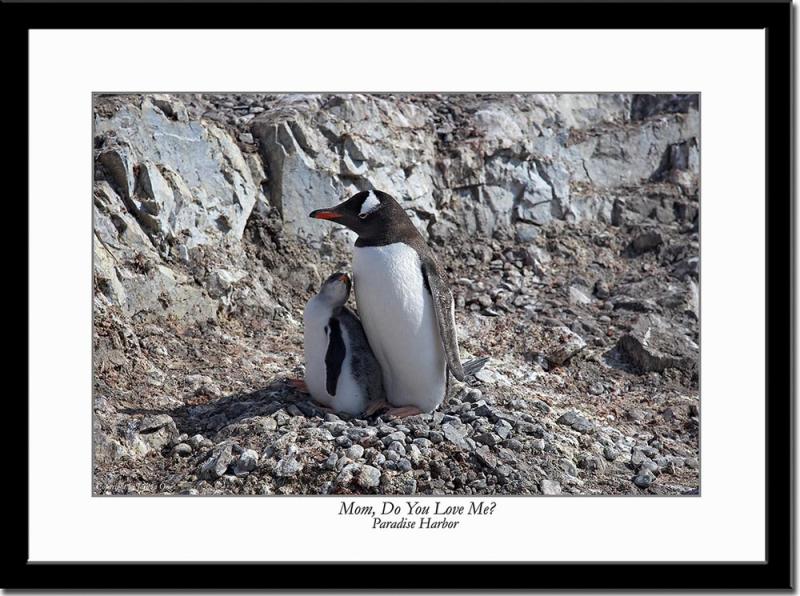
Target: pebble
[330, 463]
[597, 389]
[358, 435]
[550, 487]
[541, 406]
[588, 463]
[287, 467]
[457, 436]
[347, 473]
[503, 472]
[473, 395]
[515, 445]
[644, 479]
[635, 414]
[503, 429]
[248, 462]
[486, 456]
[649, 465]
[397, 436]
[343, 462]
[216, 465]
[369, 476]
[568, 466]
[336, 428]
[281, 417]
[397, 447]
[481, 408]
[414, 454]
[154, 422]
[601, 289]
[409, 486]
[487, 439]
[610, 453]
[182, 449]
[637, 458]
[404, 465]
[355, 452]
[576, 421]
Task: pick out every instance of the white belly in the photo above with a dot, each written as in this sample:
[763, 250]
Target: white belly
[399, 321]
[350, 397]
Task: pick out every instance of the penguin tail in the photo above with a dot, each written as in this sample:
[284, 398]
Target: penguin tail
[473, 366]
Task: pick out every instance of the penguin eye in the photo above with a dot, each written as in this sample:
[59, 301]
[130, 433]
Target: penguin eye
[363, 215]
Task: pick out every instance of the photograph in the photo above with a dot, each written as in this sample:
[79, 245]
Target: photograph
[444, 294]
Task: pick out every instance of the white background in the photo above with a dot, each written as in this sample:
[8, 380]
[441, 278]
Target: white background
[725, 523]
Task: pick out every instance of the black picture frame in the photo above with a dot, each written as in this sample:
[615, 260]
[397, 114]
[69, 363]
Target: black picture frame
[774, 573]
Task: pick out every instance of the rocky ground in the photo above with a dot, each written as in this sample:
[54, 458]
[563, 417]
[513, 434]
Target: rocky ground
[568, 226]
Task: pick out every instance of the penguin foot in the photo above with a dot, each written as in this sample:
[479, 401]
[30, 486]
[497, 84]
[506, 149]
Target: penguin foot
[376, 406]
[298, 385]
[403, 412]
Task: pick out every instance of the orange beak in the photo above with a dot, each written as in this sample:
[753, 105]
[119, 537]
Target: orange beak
[324, 214]
[344, 277]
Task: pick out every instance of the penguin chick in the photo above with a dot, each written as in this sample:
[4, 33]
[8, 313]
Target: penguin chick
[341, 370]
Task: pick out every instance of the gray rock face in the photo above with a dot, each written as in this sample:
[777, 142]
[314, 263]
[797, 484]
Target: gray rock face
[653, 346]
[644, 105]
[183, 180]
[171, 177]
[320, 149]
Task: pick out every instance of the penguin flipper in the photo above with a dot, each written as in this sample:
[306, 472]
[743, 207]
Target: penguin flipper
[334, 356]
[444, 307]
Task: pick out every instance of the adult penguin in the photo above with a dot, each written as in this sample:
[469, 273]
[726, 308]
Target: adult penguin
[403, 299]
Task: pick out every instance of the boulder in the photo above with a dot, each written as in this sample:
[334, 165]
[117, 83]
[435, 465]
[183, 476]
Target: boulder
[652, 346]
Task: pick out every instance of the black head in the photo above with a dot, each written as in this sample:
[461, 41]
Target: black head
[372, 214]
